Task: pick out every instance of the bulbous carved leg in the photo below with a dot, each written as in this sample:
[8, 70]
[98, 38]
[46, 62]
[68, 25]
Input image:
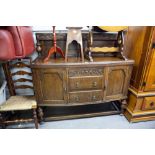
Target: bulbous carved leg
[40, 114]
[35, 118]
[2, 124]
[123, 106]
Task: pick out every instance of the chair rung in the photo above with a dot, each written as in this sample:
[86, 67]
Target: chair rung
[105, 49]
[20, 65]
[23, 80]
[23, 87]
[21, 73]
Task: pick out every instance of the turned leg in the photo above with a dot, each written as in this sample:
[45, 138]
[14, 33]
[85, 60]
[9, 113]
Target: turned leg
[82, 55]
[58, 49]
[122, 56]
[2, 124]
[50, 52]
[35, 118]
[40, 114]
[123, 106]
[66, 53]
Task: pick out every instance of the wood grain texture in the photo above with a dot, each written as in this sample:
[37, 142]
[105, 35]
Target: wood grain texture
[142, 87]
[70, 84]
[150, 79]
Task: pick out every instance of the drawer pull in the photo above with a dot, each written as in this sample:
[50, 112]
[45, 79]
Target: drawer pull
[94, 84]
[77, 85]
[65, 89]
[77, 98]
[94, 98]
[152, 104]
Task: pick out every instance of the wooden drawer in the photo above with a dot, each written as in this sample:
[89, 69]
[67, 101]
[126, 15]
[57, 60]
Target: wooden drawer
[85, 96]
[148, 103]
[85, 83]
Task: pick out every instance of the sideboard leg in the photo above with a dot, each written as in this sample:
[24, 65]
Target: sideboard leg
[2, 124]
[35, 118]
[123, 106]
[40, 114]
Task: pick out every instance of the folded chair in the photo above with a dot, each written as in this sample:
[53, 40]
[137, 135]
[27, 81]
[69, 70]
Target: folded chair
[119, 43]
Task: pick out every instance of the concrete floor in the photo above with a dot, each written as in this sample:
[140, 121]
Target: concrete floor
[104, 122]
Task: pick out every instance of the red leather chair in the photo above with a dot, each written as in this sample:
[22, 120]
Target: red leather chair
[16, 42]
[7, 49]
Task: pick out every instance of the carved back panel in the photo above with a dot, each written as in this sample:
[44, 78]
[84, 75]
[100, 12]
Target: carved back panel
[100, 39]
[19, 77]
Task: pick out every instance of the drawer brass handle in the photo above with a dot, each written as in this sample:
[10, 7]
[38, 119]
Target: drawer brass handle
[77, 85]
[86, 71]
[94, 84]
[152, 104]
[94, 98]
[77, 98]
[65, 89]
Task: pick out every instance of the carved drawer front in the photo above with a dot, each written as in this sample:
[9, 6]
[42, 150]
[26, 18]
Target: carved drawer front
[85, 97]
[85, 83]
[78, 72]
[148, 103]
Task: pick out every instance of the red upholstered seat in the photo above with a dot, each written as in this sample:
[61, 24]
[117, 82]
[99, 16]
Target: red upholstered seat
[7, 49]
[23, 43]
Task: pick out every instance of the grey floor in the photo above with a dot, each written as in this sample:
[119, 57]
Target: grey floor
[104, 122]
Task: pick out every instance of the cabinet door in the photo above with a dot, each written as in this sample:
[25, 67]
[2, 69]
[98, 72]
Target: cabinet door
[53, 86]
[117, 80]
[150, 81]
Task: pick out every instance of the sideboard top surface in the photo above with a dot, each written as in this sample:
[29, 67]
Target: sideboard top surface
[98, 61]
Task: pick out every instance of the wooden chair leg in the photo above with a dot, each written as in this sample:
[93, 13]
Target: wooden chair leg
[35, 118]
[66, 53]
[2, 124]
[90, 56]
[82, 54]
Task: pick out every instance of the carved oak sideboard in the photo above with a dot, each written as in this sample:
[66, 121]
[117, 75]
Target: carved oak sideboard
[75, 83]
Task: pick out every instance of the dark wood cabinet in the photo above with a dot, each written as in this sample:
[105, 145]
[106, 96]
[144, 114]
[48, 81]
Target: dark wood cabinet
[68, 84]
[82, 89]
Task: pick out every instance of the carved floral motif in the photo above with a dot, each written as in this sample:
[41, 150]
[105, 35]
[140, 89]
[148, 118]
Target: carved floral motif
[85, 72]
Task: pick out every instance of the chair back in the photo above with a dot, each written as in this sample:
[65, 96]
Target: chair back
[19, 77]
[16, 42]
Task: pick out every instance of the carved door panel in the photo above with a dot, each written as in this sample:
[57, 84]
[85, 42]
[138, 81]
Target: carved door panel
[117, 80]
[150, 81]
[53, 86]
